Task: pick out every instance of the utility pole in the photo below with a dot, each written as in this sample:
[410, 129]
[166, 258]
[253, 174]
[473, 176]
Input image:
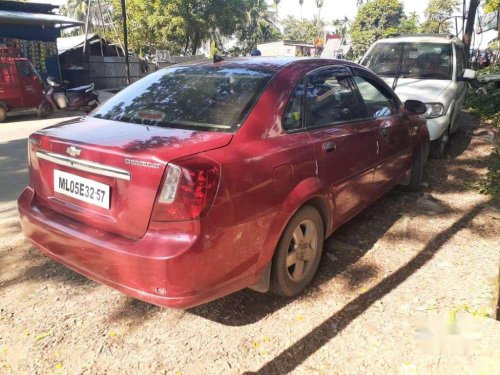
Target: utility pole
[469, 28]
[125, 40]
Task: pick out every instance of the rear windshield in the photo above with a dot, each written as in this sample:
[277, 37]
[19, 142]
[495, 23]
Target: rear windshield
[418, 60]
[209, 97]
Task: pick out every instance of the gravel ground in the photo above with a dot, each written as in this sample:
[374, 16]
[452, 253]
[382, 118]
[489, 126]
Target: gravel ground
[409, 286]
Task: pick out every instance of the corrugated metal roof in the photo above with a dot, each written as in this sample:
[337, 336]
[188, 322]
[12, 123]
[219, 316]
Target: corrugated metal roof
[70, 42]
[24, 18]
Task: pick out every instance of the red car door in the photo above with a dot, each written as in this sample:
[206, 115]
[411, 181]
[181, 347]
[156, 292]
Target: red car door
[394, 138]
[31, 87]
[345, 144]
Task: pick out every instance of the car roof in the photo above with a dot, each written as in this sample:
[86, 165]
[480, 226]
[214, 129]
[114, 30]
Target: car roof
[421, 38]
[267, 63]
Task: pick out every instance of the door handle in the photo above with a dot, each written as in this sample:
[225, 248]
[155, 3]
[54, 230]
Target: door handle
[328, 147]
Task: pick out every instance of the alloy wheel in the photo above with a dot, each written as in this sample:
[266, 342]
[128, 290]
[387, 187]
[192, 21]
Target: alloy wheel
[302, 250]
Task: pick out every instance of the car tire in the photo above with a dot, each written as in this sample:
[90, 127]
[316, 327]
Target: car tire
[3, 113]
[438, 146]
[44, 110]
[417, 170]
[297, 256]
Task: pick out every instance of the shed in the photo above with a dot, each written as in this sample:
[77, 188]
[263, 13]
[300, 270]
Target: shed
[286, 48]
[33, 28]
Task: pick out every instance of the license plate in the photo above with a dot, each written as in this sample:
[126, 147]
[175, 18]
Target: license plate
[82, 188]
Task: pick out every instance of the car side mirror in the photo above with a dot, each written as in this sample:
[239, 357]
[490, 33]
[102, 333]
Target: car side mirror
[469, 74]
[415, 107]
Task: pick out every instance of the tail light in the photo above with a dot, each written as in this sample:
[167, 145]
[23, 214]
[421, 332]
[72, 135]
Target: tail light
[188, 190]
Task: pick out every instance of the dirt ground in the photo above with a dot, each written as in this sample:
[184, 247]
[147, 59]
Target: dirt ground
[409, 286]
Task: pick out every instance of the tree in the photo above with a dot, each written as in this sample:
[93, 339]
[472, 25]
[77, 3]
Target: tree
[437, 14]
[301, 30]
[410, 24]
[376, 19]
[341, 26]
[469, 28]
[77, 9]
[256, 26]
[181, 26]
[319, 28]
[301, 3]
[491, 6]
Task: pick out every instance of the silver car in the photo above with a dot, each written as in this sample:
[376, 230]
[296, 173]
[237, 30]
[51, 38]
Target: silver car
[429, 68]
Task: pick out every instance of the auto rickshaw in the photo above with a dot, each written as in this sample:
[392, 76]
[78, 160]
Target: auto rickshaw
[21, 88]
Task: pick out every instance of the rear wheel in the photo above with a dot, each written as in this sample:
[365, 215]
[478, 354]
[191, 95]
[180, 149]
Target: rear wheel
[3, 113]
[44, 109]
[298, 253]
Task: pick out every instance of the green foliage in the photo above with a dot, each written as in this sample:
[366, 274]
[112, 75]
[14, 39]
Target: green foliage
[375, 19]
[300, 30]
[410, 24]
[341, 26]
[491, 6]
[256, 27]
[488, 108]
[491, 184]
[436, 13]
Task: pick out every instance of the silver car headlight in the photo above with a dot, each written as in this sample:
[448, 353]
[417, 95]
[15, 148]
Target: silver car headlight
[434, 110]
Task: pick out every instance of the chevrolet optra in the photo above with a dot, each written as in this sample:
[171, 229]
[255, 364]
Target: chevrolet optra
[200, 180]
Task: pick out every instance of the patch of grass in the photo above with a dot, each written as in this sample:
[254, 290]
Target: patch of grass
[491, 184]
[487, 107]
[492, 69]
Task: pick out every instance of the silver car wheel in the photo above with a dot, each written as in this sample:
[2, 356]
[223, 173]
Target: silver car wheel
[302, 250]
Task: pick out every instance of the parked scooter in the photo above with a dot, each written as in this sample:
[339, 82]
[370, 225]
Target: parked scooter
[59, 97]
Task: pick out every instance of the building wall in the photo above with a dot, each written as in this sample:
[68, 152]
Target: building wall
[271, 49]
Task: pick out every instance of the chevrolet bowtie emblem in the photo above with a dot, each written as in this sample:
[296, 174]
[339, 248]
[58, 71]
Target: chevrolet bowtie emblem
[73, 151]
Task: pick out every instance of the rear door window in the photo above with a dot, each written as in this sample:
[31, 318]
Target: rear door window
[330, 99]
[293, 115]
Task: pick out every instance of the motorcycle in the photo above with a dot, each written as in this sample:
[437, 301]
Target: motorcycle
[59, 97]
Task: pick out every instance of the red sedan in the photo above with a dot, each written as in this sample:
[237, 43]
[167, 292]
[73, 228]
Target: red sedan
[200, 180]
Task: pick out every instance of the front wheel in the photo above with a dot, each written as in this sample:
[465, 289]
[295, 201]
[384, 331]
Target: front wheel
[44, 109]
[297, 256]
[3, 113]
[417, 170]
[438, 146]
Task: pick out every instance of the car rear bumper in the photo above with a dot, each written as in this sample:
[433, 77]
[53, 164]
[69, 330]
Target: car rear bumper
[168, 266]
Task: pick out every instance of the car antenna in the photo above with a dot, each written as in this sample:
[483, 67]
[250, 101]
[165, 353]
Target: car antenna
[218, 58]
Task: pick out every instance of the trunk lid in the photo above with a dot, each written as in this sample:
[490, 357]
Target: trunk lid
[129, 158]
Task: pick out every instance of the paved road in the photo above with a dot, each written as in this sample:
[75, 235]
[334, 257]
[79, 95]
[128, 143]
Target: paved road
[13, 154]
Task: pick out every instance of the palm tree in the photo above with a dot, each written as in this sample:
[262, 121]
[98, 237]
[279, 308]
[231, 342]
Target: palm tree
[319, 5]
[276, 3]
[76, 9]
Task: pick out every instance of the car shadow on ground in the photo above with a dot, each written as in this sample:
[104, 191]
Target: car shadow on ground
[298, 352]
